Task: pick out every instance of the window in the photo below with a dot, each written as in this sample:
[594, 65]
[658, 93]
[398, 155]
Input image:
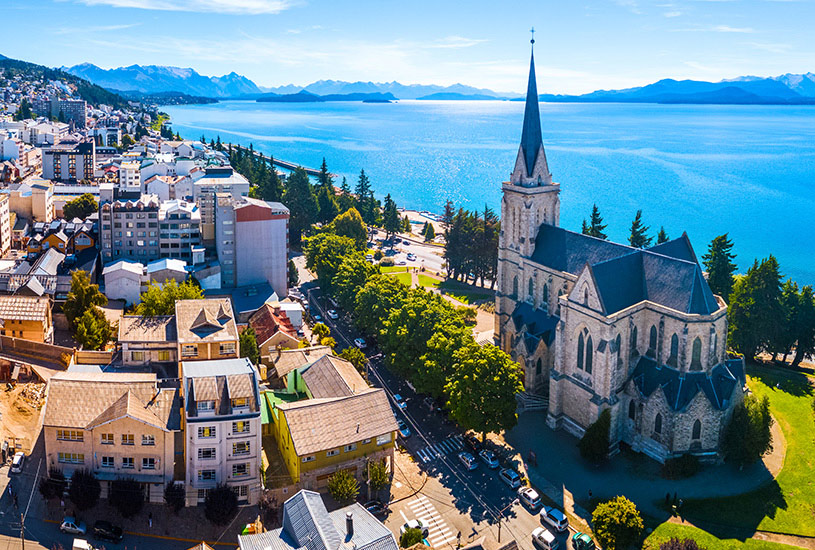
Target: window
[515, 287]
[589, 355]
[71, 458]
[545, 297]
[148, 440]
[240, 448]
[538, 368]
[580, 345]
[206, 475]
[107, 462]
[243, 490]
[658, 424]
[697, 429]
[107, 439]
[240, 402]
[632, 410]
[672, 358]
[619, 343]
[366, 441]
[382, 439]
[70, 435]
[148, 463]
[189, 350]
[696, 361]
[531, 292]
[163, 355]
[652, 342]
[206, 432]
[308, 458]
[127, 463]
[714, 345]
[137, 355]
[205, 405]
[349, 448]
[228, 348]
[206, 453]
[240, 427]
[633, 345]
[240, 470]
[333, 452]
[127, 439]
[585, 296]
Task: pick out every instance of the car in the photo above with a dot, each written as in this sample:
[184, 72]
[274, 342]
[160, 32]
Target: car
[317, 318]
[543, 539]
[581, 541]
[369, 256]
[105, 530]
[404, 431]
[360, 343]
[468, 460]
[332, 314]
[399, 401]
[488, 458]
[411, 256]
[72, 526]
[529, 497]
[82, 544]
[401, 262]
[405, 242]
[472, 443]
[18, 462]
[510, 477]
[414, 524]
[375, 507]
[554, 518]
[301, 333]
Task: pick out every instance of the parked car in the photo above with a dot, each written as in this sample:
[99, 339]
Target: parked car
[401, 262]
[529, 497]
[488, 458]
[472, 443]
[415, 524]
[555, 518]
[543, 539]
[105, 530]
[332, 314]
[581, 541]
[360, 343]
[72, 526]
[317, 317]
[404, 431]
[411, 256]
[510, 477]
[468, 460]
[376, 507]
[399, 401]
[17, 462]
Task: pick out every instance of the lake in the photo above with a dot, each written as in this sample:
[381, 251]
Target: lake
[704, 169]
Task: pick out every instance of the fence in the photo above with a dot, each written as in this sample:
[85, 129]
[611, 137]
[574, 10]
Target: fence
[36, 350]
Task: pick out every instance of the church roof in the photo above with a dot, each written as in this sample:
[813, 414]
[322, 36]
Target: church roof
[568, 251]
[539, 325]
[531, 138]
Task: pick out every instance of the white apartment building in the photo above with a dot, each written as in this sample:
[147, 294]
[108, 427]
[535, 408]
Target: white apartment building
[223, 428]
[214, 181]
[180, 229]
[129, 176]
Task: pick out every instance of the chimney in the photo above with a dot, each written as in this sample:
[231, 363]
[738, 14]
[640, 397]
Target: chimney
[349, 524]
[357, 427]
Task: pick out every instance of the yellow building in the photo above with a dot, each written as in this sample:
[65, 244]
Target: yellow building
[26, 317]
[205, 330]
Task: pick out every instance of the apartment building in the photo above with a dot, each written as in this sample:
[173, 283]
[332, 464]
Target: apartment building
[115, 425]
[223, 428]
[129, 229]
[129, 176]
[148, 340]
[5, 224]
[33, 200]
[69, 161]
[74, 110]
[27, 317]
[206, 329]
[179, 229]
[216, 180]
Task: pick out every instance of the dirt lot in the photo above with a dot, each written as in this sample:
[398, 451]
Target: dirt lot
[20, 412]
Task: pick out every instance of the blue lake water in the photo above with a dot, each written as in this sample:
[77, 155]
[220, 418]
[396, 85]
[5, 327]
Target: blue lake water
[707, 170]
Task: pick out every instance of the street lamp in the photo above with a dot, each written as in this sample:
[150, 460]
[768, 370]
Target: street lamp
[501, 515]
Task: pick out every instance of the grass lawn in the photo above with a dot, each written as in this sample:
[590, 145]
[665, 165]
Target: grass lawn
[404, 278]
[393, 269]
[667, 531]
[466, 294]
[786, 505]
[157, 123]
[428, 281]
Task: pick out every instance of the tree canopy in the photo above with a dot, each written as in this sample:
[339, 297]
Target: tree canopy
[596, 226]
[324, 254]
[720, 266]
[349, 224]
[160, 298]
[754, 312]
[471, 243]
[81, 207]
[639, 233]
[93, 331]
[747, 437]
[617, 524]
[302, 204]
[83, 296]
[249, 345]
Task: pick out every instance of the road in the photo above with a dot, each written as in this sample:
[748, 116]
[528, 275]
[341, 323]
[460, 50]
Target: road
[452, 492]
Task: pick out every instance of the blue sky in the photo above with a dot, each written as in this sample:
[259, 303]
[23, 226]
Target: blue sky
[582, 45]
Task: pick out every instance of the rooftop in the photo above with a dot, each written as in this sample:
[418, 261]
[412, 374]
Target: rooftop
[291, 359]
[24, 308]
[206, 320]
[137, 328]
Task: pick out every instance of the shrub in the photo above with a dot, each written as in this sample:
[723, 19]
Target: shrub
[676, 544]
[377, 255]
[379, 476]
[680, 467]
[54, 485]
[343, 486]
[220, 505]
[594, 444]
[85, 489]
[410, 537]
[175, 496]
[617, 523]
[387, 262]
[126, 496]
[747, 437]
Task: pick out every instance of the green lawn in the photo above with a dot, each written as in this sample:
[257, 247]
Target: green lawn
[786, 505]
[393, 269]
[667, 531]
[428, 281]
[466, 294]
[404, 278]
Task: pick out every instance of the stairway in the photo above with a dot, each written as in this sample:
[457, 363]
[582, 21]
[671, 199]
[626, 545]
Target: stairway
[531, 402]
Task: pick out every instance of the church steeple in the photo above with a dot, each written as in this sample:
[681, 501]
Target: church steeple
[531, 166]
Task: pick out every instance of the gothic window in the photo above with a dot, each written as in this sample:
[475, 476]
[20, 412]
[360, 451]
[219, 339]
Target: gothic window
[589, 355]
[531, 294]
[580, 352]
[696, 361]
[585, 296]
[538, 368]
[632, 410]
[697, 430]
[714, 344]
[658, 424]
[619, 342]
[672, 359]
[633, 344]
[652, 342]
[545, 299]
[515, 287]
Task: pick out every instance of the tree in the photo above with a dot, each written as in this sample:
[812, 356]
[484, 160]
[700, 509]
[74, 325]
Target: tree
[54, 485]
[325, 178]
[249, 345]
[438, 363]
[345, 198]
[302, 203]
[406, 227]
[350, 224]
[327, 204]
[127, 142]
[127, 496]
[378, 476]
[596, 226]
[754, 312]
[175, 496]
[324, 254]
[410, 537]
[374, 302]
[720, 267]
[392, 224]
[804, 326]
[355, 356]
[24, 112]
[482, 389]
[294, 275]
[662, 236]
[639, 237]
[594, 443]
[343, 487]
[747, 436]
[328, 342]
[93, 331]
[81, 207]
[160, 299]
[82, 297]
[675, 544]
[785, 333]
[617, 523]
[365, 202]
[220, 504]
[85, 489]
[352, 274]
[320, 331]
[429, 233]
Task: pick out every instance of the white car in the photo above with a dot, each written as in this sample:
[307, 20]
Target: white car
[72, 526]
[332, 314]
[411, 256]
[510, 477]
[544, 540]
[468, 460]
[415, 524]
[360, 343]
[555, 518]
[18, 462]
[488, 458]
[529, 497]
[399, 401]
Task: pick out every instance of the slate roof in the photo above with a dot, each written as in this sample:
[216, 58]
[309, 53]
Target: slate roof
[531, 137]
[568, 251]
[290, 359]
[207, 320]
[539, 325]
[137, 328]
[680, 388]
[330, 376]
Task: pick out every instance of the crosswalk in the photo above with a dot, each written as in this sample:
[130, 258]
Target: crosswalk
[431, 452]
[439, 532]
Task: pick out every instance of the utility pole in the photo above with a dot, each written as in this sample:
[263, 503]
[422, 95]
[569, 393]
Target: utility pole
[22, 531]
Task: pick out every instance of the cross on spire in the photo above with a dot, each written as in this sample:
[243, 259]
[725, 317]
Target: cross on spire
[532, 30]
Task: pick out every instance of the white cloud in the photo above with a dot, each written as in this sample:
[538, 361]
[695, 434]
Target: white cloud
[251, 7]
[772, 48]
[672, 14]
[455, 42]
[728, 28]
[101, 28]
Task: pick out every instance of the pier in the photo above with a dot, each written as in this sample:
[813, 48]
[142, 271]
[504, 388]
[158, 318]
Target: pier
[281, 163]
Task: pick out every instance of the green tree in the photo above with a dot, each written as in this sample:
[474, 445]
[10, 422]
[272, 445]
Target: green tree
[345, 199]
[482, 389]
[375, 300]
[350, 224]
[325, 178]
[406, 227]
[320, 331]
[617, 524]
[324, 254]
[53, 485]
[160, 299]
[747, 436]
[392, 224]
[720, 267]
[596, 226]
[82, 297]
[429, 233]
[343, 487]
[249, 345]
[595, 441]
[639, 237]
[754, 312]
[93, 331]
[327, 204]
[175, 496]
[410, 537]
[294, 275]
[804, 326]
[220, 505]
[355, 356]
[24, 112]
[365, 202]
[84, 490]
[127, 496]
[662, 236]
[352, 274]
[378, 476]
[436, 366]
[302, 203]
[423, 232]
[127, 142]
[81, 207]
[785, 333]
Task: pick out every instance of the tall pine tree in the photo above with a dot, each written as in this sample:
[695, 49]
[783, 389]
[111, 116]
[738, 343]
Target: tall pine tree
[720, 267]
[662, 236]
[392, 223]
[303, 209]
[596, 226]
[639, 233]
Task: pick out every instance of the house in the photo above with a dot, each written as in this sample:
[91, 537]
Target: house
[147, 340]
[342, 424]
[272, 332]
[223, 425]
[308, 524]
[281, 362]
[27, 317]
[205, 329]
[115, 425]
[124, 281]
[167, 269]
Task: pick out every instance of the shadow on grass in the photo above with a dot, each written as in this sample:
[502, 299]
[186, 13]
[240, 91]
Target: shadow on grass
[783, 379]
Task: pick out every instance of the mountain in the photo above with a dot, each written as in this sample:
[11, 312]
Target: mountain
[803, 84]
[452, 96]
[304, 96]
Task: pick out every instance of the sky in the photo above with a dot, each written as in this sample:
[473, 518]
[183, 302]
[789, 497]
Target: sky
[581, 45]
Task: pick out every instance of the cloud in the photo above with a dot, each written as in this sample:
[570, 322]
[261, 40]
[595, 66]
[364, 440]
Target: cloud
[101, 28]
[242, 7]
[772, 48]
[728, 28]
[455, 42]
[672, 14]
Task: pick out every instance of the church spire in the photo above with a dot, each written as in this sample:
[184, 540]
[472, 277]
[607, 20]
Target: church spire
[531, 138]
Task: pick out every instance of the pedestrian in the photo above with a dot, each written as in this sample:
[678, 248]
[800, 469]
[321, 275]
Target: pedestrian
[680, 503]
[15, 502]
[62, 504]
[150, 520]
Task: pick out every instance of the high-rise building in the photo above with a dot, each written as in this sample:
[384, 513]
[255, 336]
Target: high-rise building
[129, 229]
[180, 229]
[69, 161]
[216, 180]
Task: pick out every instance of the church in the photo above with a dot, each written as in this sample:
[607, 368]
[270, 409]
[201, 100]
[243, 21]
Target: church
[597, 325]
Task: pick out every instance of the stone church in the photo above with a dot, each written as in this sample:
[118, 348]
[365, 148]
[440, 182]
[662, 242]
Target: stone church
[598, 325]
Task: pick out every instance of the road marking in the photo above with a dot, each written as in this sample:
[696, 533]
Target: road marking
[421, 455]
[403, 516]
